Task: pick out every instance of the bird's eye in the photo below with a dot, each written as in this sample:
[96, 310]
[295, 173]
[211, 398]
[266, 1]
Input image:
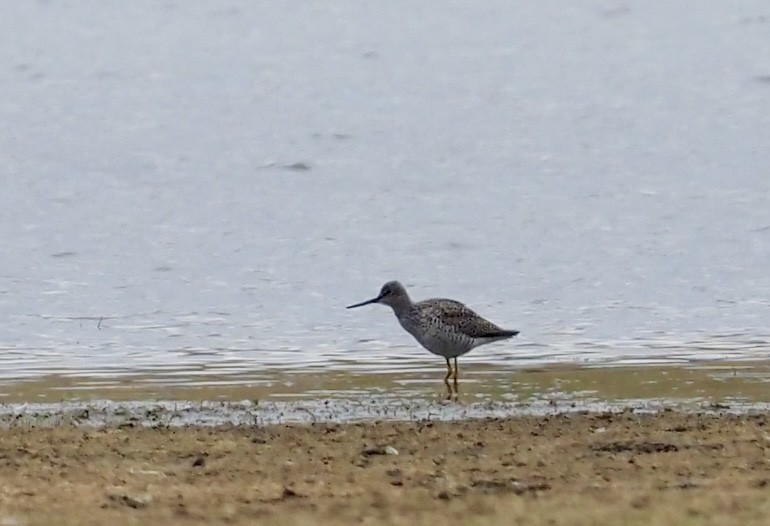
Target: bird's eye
[386, 291]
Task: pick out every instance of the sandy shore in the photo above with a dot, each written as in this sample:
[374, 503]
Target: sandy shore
[664, 468]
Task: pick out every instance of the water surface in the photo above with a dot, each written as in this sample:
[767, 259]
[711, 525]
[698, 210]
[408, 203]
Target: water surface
[206, 186]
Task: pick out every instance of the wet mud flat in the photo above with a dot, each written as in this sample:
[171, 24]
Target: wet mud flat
[580, 467]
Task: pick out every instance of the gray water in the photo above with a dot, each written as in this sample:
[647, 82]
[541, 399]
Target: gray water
[205, 185]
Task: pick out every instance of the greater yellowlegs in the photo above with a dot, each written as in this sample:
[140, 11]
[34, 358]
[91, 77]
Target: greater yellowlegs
[444, 327]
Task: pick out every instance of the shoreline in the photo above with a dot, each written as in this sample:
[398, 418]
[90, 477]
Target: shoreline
[211, 414]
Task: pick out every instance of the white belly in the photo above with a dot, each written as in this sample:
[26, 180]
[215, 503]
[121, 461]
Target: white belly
[442, 343]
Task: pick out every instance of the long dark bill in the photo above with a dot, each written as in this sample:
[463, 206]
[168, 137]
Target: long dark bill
[367, 302]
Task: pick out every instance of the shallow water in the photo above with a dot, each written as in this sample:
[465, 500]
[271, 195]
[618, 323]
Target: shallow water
[736, 385]
[202, 189]
[100, 412]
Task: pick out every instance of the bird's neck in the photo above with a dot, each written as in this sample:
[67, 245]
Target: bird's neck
[402, 306]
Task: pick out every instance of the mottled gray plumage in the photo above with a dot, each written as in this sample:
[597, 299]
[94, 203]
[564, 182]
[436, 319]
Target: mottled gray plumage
[444, 327]
[449, 328]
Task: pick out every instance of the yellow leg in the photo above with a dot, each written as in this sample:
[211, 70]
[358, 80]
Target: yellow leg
[446, 379]
[457, 371]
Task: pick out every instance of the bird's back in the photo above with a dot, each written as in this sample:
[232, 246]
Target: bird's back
[449, 328]
[460, 318]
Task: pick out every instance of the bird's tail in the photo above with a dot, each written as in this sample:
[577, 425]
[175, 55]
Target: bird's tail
[503, 334]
